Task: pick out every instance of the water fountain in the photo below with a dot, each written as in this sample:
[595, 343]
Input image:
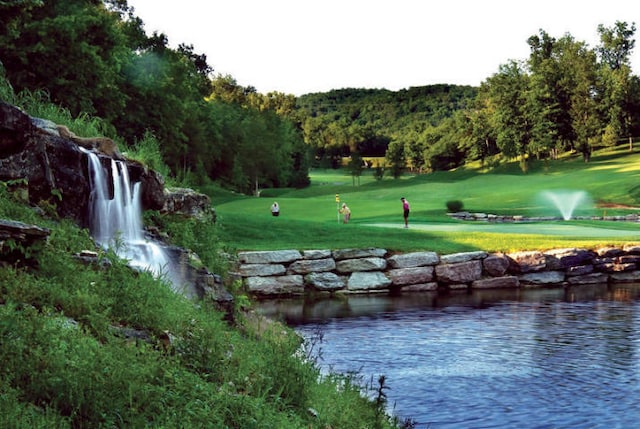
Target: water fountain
[566, 201]
[116, 219]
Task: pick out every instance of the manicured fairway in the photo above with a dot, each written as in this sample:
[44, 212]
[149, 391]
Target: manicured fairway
[309, 218]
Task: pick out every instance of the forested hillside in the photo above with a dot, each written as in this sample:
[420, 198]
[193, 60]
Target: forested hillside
[94, 59]
[566, 96]
[365, 121]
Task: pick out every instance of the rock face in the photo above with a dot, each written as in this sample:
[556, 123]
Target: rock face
[54, 169]
[47, 166]
[186, 202]
[15, 237]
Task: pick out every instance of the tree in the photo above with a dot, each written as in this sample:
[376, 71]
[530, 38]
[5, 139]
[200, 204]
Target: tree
[511, 119]
[395, 158]
[548, 97]
[616, 45]
[481, 142]
[72, 48]
[580, 73]
[355, 167]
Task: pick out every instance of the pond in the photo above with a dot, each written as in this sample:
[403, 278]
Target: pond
[542, 358]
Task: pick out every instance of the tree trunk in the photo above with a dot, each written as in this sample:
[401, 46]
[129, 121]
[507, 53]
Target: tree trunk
[257, 191]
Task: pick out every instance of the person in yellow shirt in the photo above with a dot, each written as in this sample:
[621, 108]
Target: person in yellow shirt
[346, 213]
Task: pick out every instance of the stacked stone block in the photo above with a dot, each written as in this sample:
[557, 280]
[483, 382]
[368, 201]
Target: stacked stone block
[375, 270]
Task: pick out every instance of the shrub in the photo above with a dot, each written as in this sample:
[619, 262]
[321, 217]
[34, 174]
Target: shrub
[454, 206]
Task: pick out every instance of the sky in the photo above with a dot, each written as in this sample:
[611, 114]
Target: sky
[305, 46]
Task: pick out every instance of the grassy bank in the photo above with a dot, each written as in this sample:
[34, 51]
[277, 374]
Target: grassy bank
[309, 216]
[97, 346]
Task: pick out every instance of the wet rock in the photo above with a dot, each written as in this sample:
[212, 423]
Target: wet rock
[507, 282]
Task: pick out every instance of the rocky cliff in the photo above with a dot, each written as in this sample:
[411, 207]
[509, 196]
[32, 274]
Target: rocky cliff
[33, 155]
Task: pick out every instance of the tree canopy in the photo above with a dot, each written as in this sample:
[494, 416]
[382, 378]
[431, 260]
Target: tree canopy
[93, 57]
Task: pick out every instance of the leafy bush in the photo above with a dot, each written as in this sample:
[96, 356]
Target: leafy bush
[147, 151]
[454, 206]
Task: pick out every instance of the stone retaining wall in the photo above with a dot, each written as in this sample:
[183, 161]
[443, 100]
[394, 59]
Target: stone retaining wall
[488, 217]
[292, 272]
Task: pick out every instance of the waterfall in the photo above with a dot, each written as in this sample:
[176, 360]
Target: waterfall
[116, 218]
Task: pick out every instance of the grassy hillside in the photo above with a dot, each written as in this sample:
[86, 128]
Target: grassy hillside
[103, 346]
[309, 216]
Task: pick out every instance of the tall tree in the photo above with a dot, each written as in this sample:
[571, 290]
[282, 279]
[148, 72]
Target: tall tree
[616, 45]
[580, 68]
[481, 142]
[548, 100]
[508, 90]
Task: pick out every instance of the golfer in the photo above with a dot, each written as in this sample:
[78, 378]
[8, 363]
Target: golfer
[405, 211]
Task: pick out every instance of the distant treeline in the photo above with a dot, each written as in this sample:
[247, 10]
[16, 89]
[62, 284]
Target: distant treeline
[565, 97]
[93, 58]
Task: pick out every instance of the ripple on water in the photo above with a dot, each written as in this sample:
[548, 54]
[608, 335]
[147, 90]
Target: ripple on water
[513, 364]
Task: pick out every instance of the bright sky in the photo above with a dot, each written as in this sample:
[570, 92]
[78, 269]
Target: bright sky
[303, 46]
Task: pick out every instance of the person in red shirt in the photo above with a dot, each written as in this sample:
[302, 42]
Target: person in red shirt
[405, 211]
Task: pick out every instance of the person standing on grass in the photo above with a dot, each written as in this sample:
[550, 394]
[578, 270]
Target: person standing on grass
[405, 211]
[346, 213]
[275, 209]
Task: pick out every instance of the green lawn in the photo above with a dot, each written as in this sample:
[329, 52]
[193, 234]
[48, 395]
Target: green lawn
[309, 218]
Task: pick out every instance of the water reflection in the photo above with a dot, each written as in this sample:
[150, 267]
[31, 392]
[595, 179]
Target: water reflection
[543, 358]
[299, 311]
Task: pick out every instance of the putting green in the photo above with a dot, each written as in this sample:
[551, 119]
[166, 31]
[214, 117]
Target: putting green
[541, 228]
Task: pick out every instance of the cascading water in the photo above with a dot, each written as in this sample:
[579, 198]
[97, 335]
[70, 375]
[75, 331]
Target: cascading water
[116, 222]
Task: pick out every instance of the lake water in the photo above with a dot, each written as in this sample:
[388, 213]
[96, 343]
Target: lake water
[546, 358]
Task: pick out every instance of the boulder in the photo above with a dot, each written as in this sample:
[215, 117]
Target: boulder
[316, 254]
[359, 253]
[462, 257]
[559, 259]
[186, 202]
[261, 270]
[324, 281]
[368, 281]
[361, 264]
[306, 266]
[527, 262]
[408, 276]
[545, 278]
[496, 265]
[278, 285]
[414, 259]
[269, 256]
[462, 272]
[591, 278]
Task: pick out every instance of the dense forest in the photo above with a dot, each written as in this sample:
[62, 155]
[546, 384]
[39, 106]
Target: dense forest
[94, 58]
[364, 121]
